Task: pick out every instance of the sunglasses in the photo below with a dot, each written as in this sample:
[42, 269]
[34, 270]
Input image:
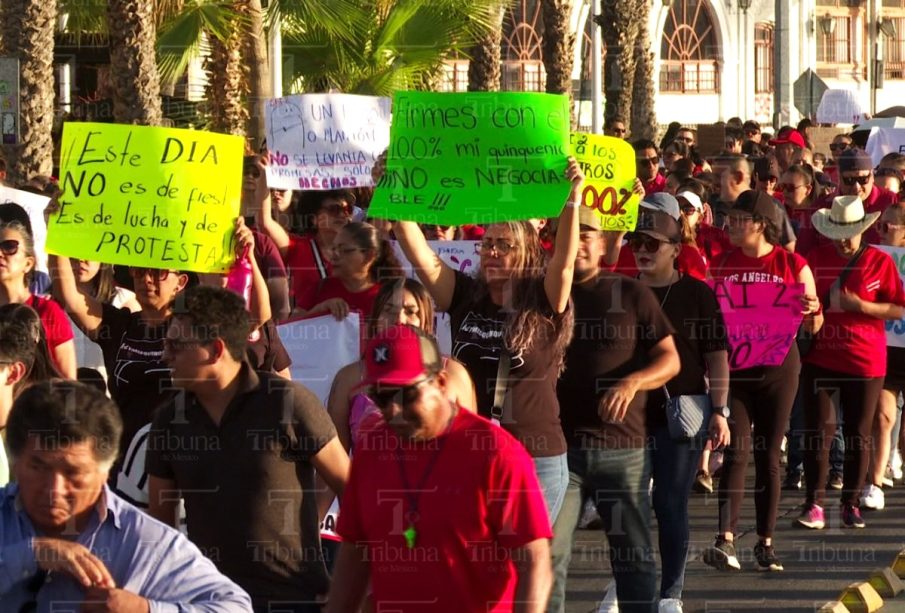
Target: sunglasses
[502, 247]
[863, 180]
[887, 227]
[385, 396]
[154, 273]
[638, 242]
[9, 247]
[653, 161]
[838, 147]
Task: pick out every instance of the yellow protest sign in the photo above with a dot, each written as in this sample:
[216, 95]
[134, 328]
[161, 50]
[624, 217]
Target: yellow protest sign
[142, 196]
[608, 164]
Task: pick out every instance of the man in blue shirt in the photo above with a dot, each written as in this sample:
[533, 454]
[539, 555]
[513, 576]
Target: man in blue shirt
[68, 543]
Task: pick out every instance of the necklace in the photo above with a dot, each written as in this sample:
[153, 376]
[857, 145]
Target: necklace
[414, 496]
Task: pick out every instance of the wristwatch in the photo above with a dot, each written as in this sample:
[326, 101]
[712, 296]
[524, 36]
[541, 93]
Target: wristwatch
[723, 410]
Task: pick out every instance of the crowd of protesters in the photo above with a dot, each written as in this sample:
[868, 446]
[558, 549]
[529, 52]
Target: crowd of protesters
[139, 402]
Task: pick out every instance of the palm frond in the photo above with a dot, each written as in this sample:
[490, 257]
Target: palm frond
[180, 38]
[84, 16]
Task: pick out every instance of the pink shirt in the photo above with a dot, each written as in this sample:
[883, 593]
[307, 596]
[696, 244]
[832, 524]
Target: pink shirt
[479, 498]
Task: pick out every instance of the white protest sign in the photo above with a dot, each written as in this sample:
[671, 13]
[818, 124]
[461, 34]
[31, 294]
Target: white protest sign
[34, 205]
[839, 106]
[895, 330]
[464, 256]
[325, 141]
[884, 140]
[319, 347]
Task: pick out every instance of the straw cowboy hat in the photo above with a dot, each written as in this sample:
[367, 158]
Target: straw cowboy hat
[844, 220]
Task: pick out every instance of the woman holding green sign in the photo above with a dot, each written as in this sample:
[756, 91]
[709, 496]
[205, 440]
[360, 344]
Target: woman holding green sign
[511, 326]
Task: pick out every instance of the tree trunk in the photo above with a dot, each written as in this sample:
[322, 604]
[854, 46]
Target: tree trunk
[133, 62]
[618, 21]
[227, 85]
[28, 27]
[558, 46]
[256, 60]
[484, 69]
[644, 114]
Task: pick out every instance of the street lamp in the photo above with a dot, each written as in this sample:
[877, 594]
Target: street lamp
[744, 5]
[827, 24]
[888, 27]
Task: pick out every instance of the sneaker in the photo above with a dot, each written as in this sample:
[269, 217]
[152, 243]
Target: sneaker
[590, 520]
[721, 555]
[766, 557]
[669, 605]
[812, 518]
[792, 482]
[888, 478]
[873, 498]
[609, 604]
[703, 483]
[835, 481]
[896, 464]
[851, 517]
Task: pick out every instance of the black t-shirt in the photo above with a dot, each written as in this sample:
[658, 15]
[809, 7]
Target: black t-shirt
[248, 483]
[692, 308]
[531, 411]
[137, 378]
[618, 320]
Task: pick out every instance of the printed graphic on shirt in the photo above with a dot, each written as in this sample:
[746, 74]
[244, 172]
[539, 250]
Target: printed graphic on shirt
[136, 359]
[754, 277]
[480, 338]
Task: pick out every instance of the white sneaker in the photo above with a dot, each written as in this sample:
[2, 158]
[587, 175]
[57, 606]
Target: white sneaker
[896, 463]
[888, 480]
[670, 605]
[873, 498]
[609, 604]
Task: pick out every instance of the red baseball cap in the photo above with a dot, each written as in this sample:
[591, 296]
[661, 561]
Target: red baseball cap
[400, 355]
[789, 136]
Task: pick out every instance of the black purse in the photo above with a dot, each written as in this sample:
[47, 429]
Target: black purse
[804, 339]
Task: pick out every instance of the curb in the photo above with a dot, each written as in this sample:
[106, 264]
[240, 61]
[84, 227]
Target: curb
[867, 596]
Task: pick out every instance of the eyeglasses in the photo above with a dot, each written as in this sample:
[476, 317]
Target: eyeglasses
[501, 247]
[344, 251]
[738, 220]
[653, 161]
[384, 396]
[154, 273]
[838, 146]
[637, 242]
[788, 187]
[178, 345]
[887, 227]
[9, 246]
[860, 180]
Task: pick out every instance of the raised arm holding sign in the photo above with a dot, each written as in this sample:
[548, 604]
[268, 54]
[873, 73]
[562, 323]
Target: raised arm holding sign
[608, 164]
[142, 196]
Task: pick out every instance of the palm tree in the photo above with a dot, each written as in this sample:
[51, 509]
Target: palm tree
[26, 33]
[558, 46]
[227, 84]
[256, 62]
[644, 116]
[133, 62]
[388, 45]
[484, 67]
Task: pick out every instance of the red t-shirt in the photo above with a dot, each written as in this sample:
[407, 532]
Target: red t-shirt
[657, 184]
[362, 301]
[308, 266]
[778, 266]
[712, 243]
[853, 343]
[691, 263]
[55, 321]
[477, 498]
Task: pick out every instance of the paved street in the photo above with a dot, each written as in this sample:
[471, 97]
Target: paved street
[818, 564]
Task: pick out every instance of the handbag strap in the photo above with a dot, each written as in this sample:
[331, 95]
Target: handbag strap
[844, 274]
[501, 384]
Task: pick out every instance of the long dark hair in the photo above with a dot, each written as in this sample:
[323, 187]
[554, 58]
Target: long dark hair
[385, 265]
[43, 368]
[388, 289]
[103, 285]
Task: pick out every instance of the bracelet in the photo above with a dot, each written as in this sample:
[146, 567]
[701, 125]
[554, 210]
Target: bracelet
[571, 204]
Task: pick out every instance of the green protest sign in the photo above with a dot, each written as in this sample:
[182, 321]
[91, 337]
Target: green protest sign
[608, 165]
[142, 196]
[459, 158]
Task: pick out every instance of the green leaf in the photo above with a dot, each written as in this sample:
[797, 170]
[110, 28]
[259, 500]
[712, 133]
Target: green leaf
[180, 38]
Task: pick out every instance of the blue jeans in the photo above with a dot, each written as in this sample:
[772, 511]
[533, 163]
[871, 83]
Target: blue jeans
[617, 481]
[553, 474]
[795, 463]
[674, 466]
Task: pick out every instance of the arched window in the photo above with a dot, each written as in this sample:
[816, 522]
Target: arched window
[523, 65]
[689, 51]
[763, 58]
